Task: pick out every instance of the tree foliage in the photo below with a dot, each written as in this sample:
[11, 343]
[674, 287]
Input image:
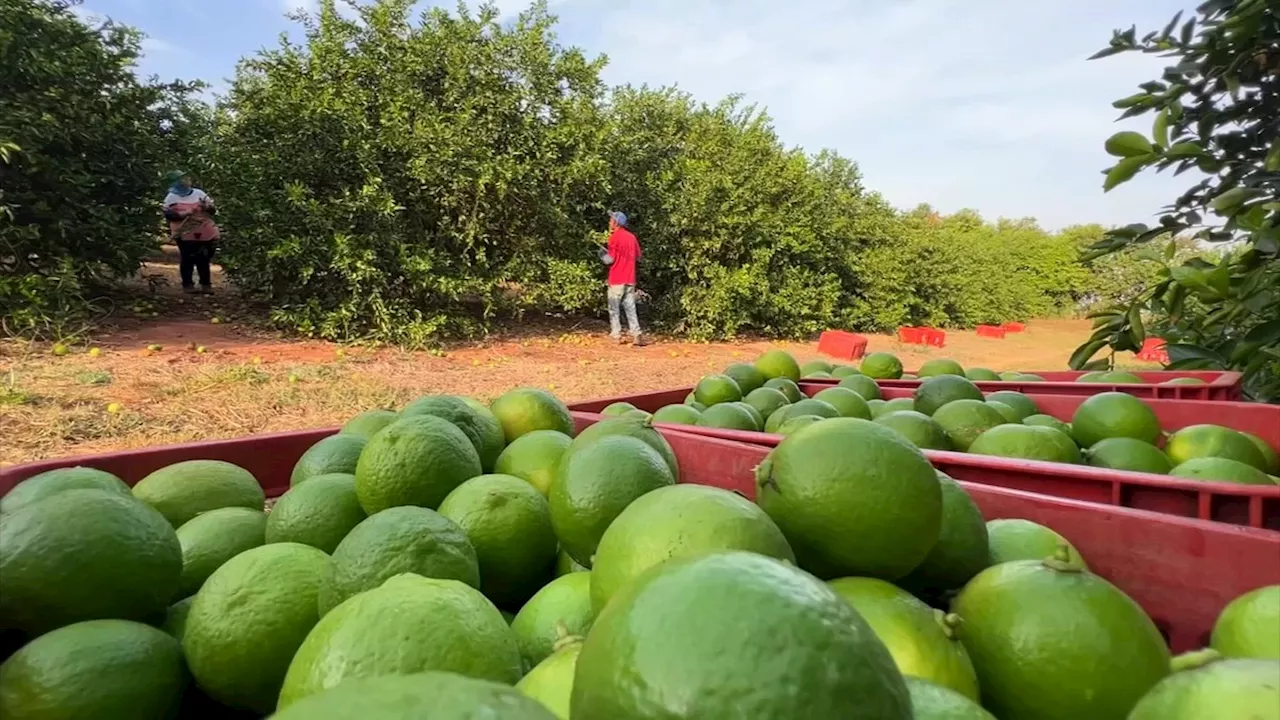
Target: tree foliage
[1216, 110]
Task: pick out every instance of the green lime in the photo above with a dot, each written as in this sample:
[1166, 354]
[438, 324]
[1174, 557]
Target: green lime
[480, 425]
[930, 701]
[550, 682]
[815, 366]
[85, 555]
[1023, 404]
[183, 490]
[766, 401]
[752, 638]
[793, 425]
[399, 540]
[319, 513]
[1216, 469]
[434, 695]
[940, 366]
[410, 624]
[848, 402]
[1090, 377]
[728, 416]
[778, 364]
[1122, 453]
[923, 431]
[962, 550]
[368, 423]
[414, 461]
[808, 406]
[787, 387]
[844, 371]
[100, 669]
[674, 522]
[1114, 414]
[677, 415]
[965, 420]
[509, 524]
[819, 375]
[863, 385]
[52, 482]
[565, 564]
[881, 366]
[630, 427]
[617, 409]
[1206, 685]
[334, 454]
[564, 604]
[1249, 626]
[534, 457]
[1184, 381]
[524, 410]
[248, 620]
[979, 374]
[1270, 457]
[853, 498]
[1118, 378]
[1049, 421]
[746, 376]
[1028, 442]
[211, 539]
[1031, 619]
[920, 639]
[934, 392]
[891, 406]
[714, 389]
[756, 416]
[596, 483]
[1205, 441]
[1013, 539]
[175, 618]
[1009, 414]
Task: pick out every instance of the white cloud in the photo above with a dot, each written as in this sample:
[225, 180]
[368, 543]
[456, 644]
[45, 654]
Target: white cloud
[156, 46]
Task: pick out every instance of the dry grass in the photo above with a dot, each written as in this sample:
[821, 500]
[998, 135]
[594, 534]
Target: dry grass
[246, 383]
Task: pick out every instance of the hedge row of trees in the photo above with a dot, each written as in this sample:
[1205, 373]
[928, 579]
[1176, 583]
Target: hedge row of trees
[404, 178]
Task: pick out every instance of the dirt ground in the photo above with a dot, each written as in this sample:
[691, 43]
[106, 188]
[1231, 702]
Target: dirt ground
[214, 375]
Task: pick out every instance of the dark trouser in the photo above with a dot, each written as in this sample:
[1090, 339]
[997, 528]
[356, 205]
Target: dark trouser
[195, 255]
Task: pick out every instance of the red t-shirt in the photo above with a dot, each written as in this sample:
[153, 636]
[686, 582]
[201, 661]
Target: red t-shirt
[625, 251]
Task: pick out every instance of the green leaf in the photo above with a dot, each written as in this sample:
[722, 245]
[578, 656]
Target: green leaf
[1094, 365]
[1184, 149]
[1128, 144]
[1136, 329]
[1123, 172]
[1131, 101]
[1268, 333]
[1085, 352]
[1160, 128]
[1179, 352]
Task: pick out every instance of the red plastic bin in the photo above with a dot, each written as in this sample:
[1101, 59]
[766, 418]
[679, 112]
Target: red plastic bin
[911, 335]
[1248, 505]
[1181, 571]
[933, 337]
[1014, 327]
[841, 344]
[991, 331]
[1219, 385]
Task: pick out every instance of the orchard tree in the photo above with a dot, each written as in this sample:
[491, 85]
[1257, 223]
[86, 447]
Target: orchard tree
[1216, 111]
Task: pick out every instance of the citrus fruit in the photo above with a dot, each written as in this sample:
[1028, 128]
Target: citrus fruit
[334, 454]
[509, 524]
[778, 364]
[617, 409]
[533, 457]
[920, 639]
[848, 402]
[562, 606]
[728, 416]
[1249, 626]
[766, 401]
[1184, 381]
[793, 425]
[756, 417]
[787, 387]
[677, 415]
[85, 555]
[815, 366]
[910, 376]
[807, 406]
[595, 483]
[981, 375]
[414, 461]
[853, 498]
[1204, 441]
[940, 366]
[930, 701]
[1009, 414]
[369, 422]
[894, 405]
[819, 375]
[1122, 453]
[1206, 685]
[747, 377]
[1090, 377]
[100, 669]
[1013, 375]
[965, 420]
[478, 424]
[409, 624]
[210, 539]
[1027, 377]
[183, 490]
[1013, 539]
[862, 385]
[175, 617]
[714, 389]
[1270, 457]
[1028, 442]
[923, 431]
[399, 540]
[52, 482]
[435, 695]
[550, 682]
[1049, 421]
[1031, 619]
[962, 550]
[1114, 414]
[844, 371]
[524, 410]
[881, 366]
[319, 513]
[1118, 378]
[784, 639]
[934, 392]
[1022, 404]
[676, 521]
[565, 564]
[1215, 469]
[639, 429]
[248, 620]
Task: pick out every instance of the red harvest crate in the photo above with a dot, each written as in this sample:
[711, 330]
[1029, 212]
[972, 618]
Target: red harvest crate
[1153, 350]
[1250, 505]
[1219, 385]
[1181, 571]
[933, 337]
[1014, 327]
[841, 344]
[991, 331]
[911, 335]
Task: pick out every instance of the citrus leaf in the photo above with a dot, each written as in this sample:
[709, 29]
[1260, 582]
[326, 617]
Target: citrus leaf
[1085, 352]
[1184, 149]
[1160, 128]
[1128, 144]
[1179, 352]
[1136, 329]
[1123, 171]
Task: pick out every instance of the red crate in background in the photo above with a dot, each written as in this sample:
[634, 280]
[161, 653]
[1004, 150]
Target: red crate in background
[1153, 350]
[933, 337]
[841, 344]
[1014, 327]
[991, 331]
[911, 335]
[1218, 385]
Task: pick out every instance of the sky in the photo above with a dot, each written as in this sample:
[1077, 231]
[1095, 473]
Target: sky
[982, 104]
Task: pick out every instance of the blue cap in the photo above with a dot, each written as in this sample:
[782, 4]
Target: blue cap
[620, 218]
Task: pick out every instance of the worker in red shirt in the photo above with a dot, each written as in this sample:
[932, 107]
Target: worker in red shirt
[621, 255]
